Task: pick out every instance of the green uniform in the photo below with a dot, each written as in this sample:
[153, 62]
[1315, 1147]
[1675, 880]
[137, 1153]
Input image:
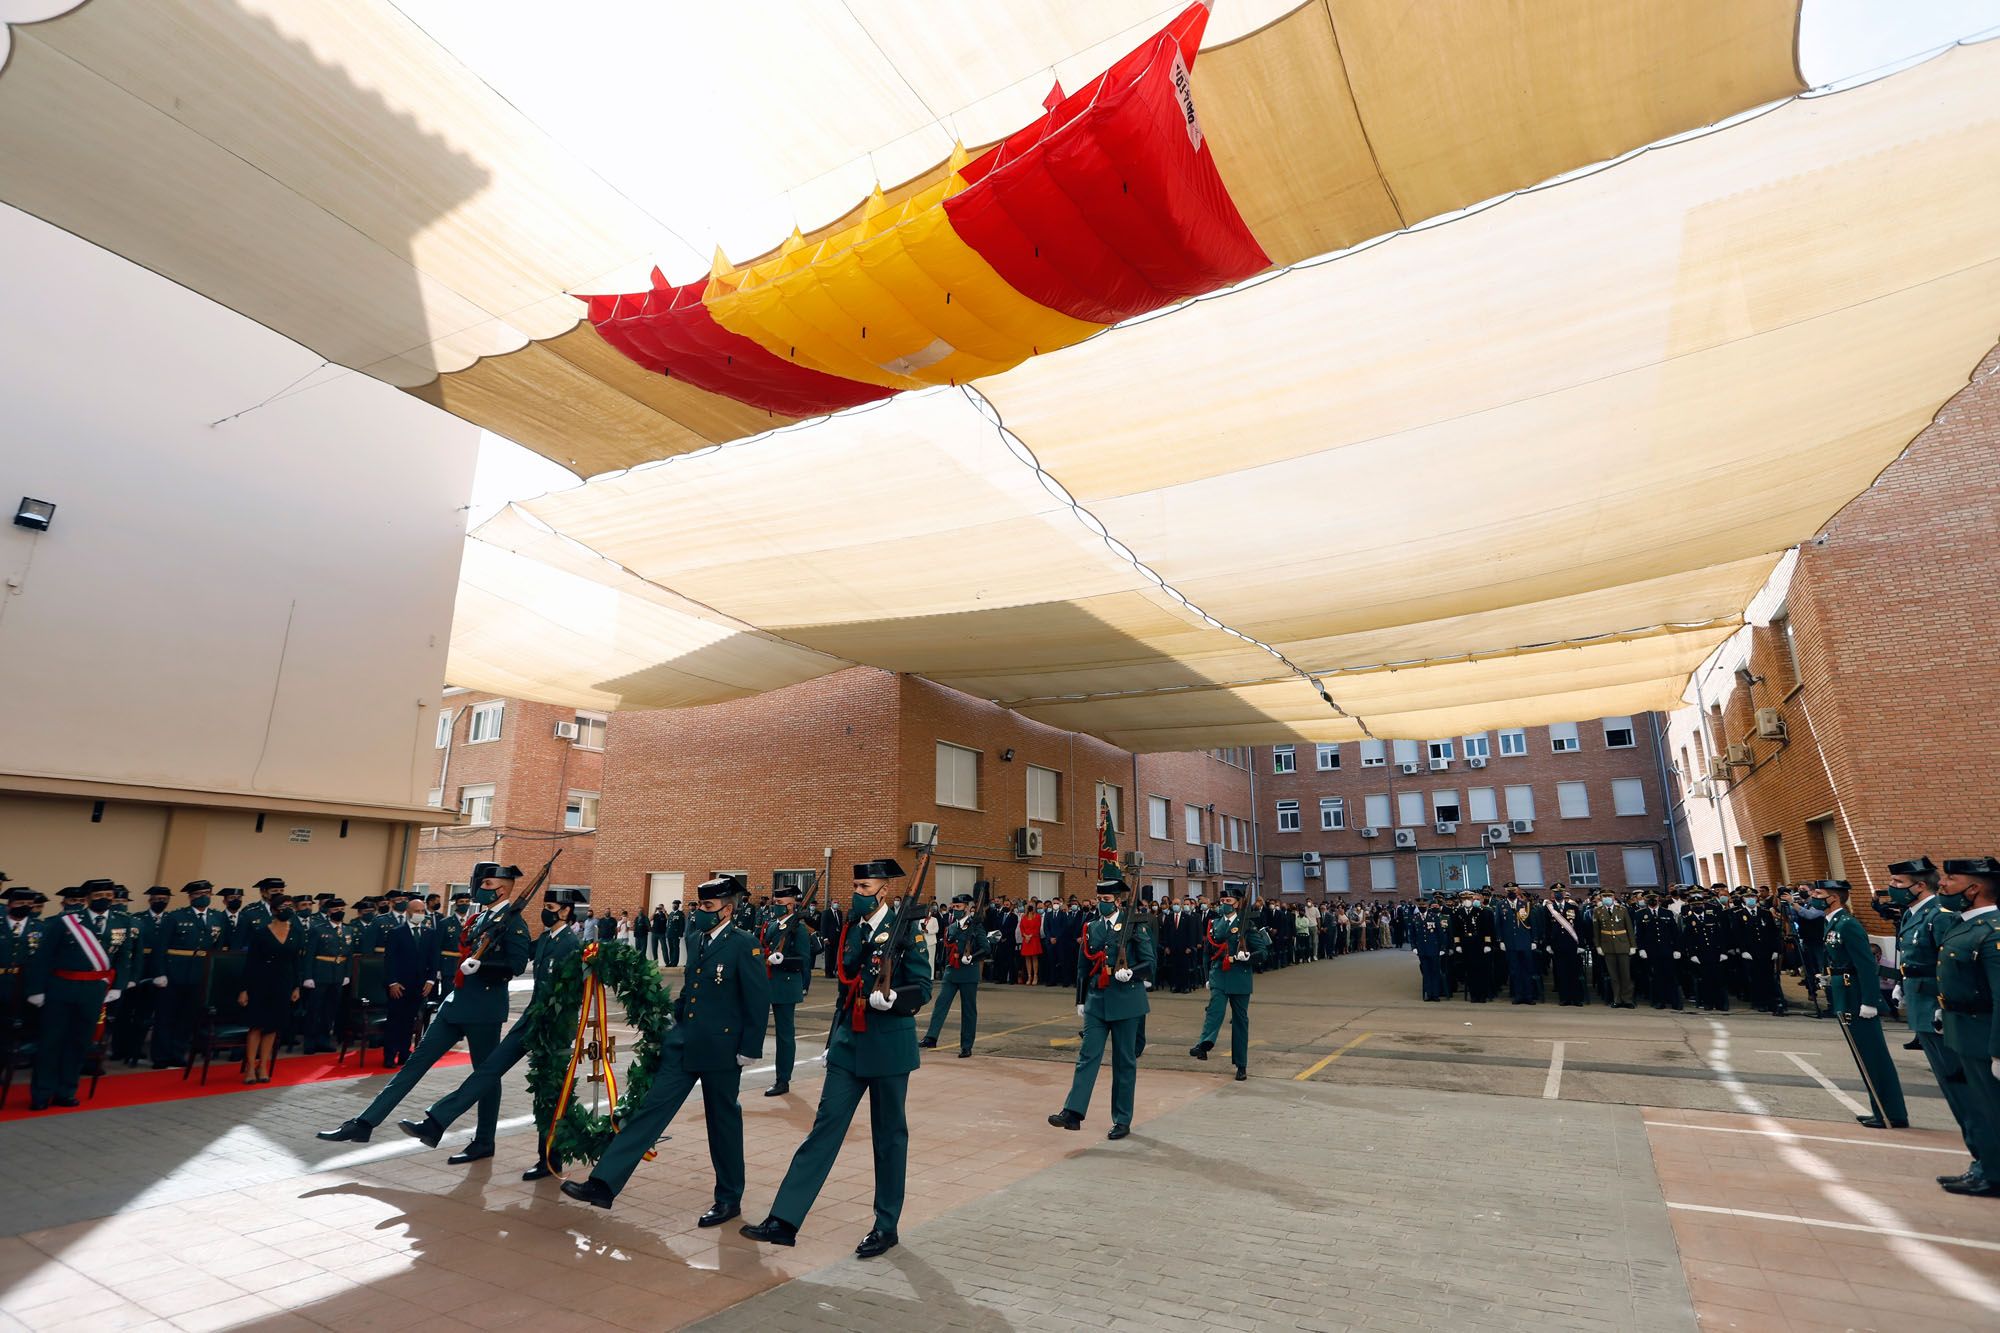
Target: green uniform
[1918, 931]
[1229, 981]
[1112, 1011]
[871, 1052]
[181, 952]
[375, 931]
[1851, 983]
[137, 1008]
[789, 937]
[719, 1021]
[73, 981]
[324, 965]
[964, 949]
[1968, 981]
[483, 1083]
[450, 927]
[474, 1011]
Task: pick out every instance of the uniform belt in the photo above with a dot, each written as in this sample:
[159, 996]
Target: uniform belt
[187, 953]
[1986, 1008]
[1920, 973]
[64, 975]
[328, 958]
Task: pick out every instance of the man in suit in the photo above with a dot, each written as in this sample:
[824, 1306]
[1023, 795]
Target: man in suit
[873, 1050]
[720, 1016]
[409, 970]
[1855, 993]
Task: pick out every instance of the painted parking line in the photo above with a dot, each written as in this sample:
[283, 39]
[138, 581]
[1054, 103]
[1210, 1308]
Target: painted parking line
[1821, 1079]
[1896, 1232]
[1552, 1086]
[1308, 1072]
[1788, 1136]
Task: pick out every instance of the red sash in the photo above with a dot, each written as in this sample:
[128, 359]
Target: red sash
[1222, 952]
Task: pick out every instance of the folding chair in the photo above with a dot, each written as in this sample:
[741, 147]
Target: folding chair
[223, 1022]
[366, 1010]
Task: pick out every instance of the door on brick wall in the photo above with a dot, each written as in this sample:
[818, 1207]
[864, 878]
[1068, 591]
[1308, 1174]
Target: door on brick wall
[663, 888]
[1829, 843]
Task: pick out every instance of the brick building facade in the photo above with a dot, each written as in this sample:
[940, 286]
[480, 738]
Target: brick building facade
[1584, 803]
[526, 778]
[1875, 655]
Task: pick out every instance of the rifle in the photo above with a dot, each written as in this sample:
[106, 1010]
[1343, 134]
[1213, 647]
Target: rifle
[906, 911]
[495, 922]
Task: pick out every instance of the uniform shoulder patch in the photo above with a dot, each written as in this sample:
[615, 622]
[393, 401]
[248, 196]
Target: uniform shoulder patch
[756, 952]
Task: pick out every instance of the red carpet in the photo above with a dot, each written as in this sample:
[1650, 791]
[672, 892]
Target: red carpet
[138, 1087]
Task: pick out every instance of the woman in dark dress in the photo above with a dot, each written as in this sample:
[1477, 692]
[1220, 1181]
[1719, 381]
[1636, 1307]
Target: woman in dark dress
[271, 972]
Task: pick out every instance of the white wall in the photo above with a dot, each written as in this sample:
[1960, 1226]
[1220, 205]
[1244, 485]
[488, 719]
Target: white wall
[145, 640]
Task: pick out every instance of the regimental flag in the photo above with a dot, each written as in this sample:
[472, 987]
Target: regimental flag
[1107, 843]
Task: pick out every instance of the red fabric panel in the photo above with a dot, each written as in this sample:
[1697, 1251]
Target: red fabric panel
[669, 331]
[1103, 209]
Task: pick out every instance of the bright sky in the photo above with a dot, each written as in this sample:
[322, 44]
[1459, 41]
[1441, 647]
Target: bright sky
[1838, 39]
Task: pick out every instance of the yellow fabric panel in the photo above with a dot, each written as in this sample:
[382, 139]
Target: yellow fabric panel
[898, 300]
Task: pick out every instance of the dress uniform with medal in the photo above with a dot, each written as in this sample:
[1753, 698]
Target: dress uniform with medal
[787, 944]
[719, 1021]
[962, 952]
[73, 973]
[1852, 990]
[1968, 977]
[324, 964]
[872, 1051]
[1234, 949]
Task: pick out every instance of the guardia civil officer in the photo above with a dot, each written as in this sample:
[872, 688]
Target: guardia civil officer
[138, 1008]
[324, 965]
[1234, 948]
[719, 1021]
[872, 1051]
[190, 936]
[787, 945]
[964, 951]
[473, 1011]
[1852, 990]
[72, 976]
[1118, 959]
[1968, 984]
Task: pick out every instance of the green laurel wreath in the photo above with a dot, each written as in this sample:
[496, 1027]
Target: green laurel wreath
[582, 1135]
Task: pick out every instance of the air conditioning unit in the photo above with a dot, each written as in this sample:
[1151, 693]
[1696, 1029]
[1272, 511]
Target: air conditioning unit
[1027, 841]
[1215, 858]
[1477, 761]
[1310, 858]
[1499, 833]
[1440, 765]
[1447, 827]
[1406, 837]
[566, 731]
[1132, 860]
[921, 835]
[1370, 831]
[1411, 769]
[1312, 872]
[1770, 724]
[1521, 825]
[1718, 767]
[1739, 757]
[1194, 865]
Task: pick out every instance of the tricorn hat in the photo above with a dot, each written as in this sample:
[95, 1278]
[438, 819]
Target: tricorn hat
[21, 893]
[1919, 866]
[1232, 891]
[884, 867]
[76, 891]
[324, 897]
[269, 882]
[159, 891]
[494, 870]
[1105, 886]
[92, 884]
[786, 891]
[1985, 867]
[724, 886]
[334, 901]
[1833, 885]
[958, 898]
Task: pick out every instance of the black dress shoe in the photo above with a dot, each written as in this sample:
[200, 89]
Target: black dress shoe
[879, 1241]
[1970, 1173]
[1913, 1045]
[471, 1152]
[717, 1215]
[772, 1231]
[426, 1131]
[1875, 1122]
[1201, 1049]
[540, 1171]
[591, 1191]
[1978, 1189]
[1119, 1131]
[927, 1044]
[356, 1130]
[1241, 1073]
[39, 1104]
[1066, 1119]
[67, 1101]
[777, 1089]
[965, 1052]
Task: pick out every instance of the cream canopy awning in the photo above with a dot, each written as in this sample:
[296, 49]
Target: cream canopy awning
[378, 181]
[1527, 466]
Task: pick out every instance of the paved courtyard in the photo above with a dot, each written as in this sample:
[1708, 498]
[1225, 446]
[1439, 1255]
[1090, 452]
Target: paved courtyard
[1391, 1164]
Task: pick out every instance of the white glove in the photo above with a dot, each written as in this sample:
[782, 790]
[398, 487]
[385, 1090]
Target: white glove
[1079, 1011]
[776, 958]
[1746, 955]
[1996, 1066]
[1677, 953]
[159, 981]
[1122, 974]
[877, 1000]
[469, 966]
[308, 983]
[112, 994]
[1692, 958]
[1642, 953]
[1774, 958]
[1868, 1011]
[742, 1060]
[1487, 949]
[1243, 955]
[1147, 984]
[36, 1000]
[345, 980]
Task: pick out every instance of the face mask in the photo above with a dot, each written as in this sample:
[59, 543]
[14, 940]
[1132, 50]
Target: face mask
[416, 920]
[100, 905]
[198, 903]
[73, 907]
[549, 916]
[1954, 902]
[1606, 902]
[18, 912]
[863, 902]
[1819, 903]
[1900, 897]
[336, 917]
[283, 914]
[1106, 909]
[705, 920]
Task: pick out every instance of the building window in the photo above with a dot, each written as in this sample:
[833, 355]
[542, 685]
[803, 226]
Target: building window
[1478, 747]
[1373, 754]
[476, 803]
[1441, 750]
[1291, 877]
[1332, 813]
[1112, 798]
[1482, 805]
[1336, 876]
[1572, 800]
[1376, 806]
[802, 880]
[1409, 809]
[1044, 788]
[1234, 840]
[1156, 817]
[444, 727]
[1381, 872]
[1327, 757]
[1514, 741]
[954, 880]
[1288, 816]
[1618, 734]
[1405, 751]
[1562, 738]
[1444, 804]
[589, 731]
[1583, 868]
[1527, 867]
[1628, 796]
[435, 798]
[1641, 870]
[957, 776]
[580, 812]
[1193, 822]
[1284, 759]
[486, 719]
[1045, 885]
[1520, 803]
